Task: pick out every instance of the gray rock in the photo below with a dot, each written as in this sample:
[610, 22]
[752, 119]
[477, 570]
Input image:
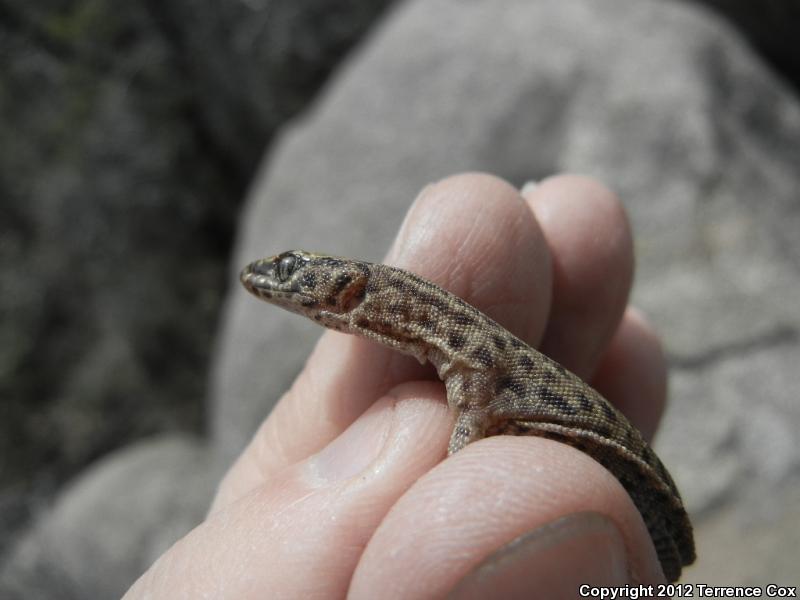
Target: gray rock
[113, 522]
[130, 131]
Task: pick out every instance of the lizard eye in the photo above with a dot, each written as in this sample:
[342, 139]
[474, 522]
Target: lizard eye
[287, 266]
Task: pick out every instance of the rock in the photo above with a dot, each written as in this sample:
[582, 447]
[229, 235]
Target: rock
[130, 133]
[113, 522]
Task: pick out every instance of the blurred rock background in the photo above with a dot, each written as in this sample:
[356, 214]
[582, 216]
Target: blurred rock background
[132, 132]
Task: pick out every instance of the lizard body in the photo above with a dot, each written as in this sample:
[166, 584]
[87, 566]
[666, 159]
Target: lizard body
[495, 382]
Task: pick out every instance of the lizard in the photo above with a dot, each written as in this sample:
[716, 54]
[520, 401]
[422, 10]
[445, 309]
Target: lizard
[496, 383]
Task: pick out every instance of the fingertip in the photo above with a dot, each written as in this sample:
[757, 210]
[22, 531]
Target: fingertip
[474, 235]
[484, 497]
[591, 245]
[470, 205]
[632, 372]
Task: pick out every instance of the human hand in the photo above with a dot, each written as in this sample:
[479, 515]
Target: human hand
[343, 490]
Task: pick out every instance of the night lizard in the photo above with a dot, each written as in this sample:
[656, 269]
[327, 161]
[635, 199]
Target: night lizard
[496, 384]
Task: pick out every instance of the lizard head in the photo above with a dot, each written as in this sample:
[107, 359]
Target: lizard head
[323, 288]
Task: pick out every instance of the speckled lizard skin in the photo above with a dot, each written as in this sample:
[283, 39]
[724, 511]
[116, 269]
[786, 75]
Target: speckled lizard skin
[496, 384]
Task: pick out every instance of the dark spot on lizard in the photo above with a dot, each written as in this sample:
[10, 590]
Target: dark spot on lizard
[415, 294]
[483, 356]
[341, 282]
[426, 323]
[586, 405]
[510, 383]
[397, 284]
[632, 439]
[372, 287]
[526, 362]
[433, 301]
[462, 319]
[552, 398]
[608, 412]
[309, 280]
[499, 342]
[516, 343]
[456, 341]
[399, 308]
[308, 302]
[602, 431]
[549, 377]
[362, 322]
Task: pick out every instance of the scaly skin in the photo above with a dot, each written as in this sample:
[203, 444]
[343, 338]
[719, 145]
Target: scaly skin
[495, 382]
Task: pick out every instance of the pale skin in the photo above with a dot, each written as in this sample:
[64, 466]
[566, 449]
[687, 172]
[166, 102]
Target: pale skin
[344, 490]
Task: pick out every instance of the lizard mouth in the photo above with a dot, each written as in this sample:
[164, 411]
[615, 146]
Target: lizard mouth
[259, 279]
[248, 279]
[258, 284]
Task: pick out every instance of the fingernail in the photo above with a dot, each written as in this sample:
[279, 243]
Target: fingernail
[528, 187]
[554, 561]
[357, 447]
